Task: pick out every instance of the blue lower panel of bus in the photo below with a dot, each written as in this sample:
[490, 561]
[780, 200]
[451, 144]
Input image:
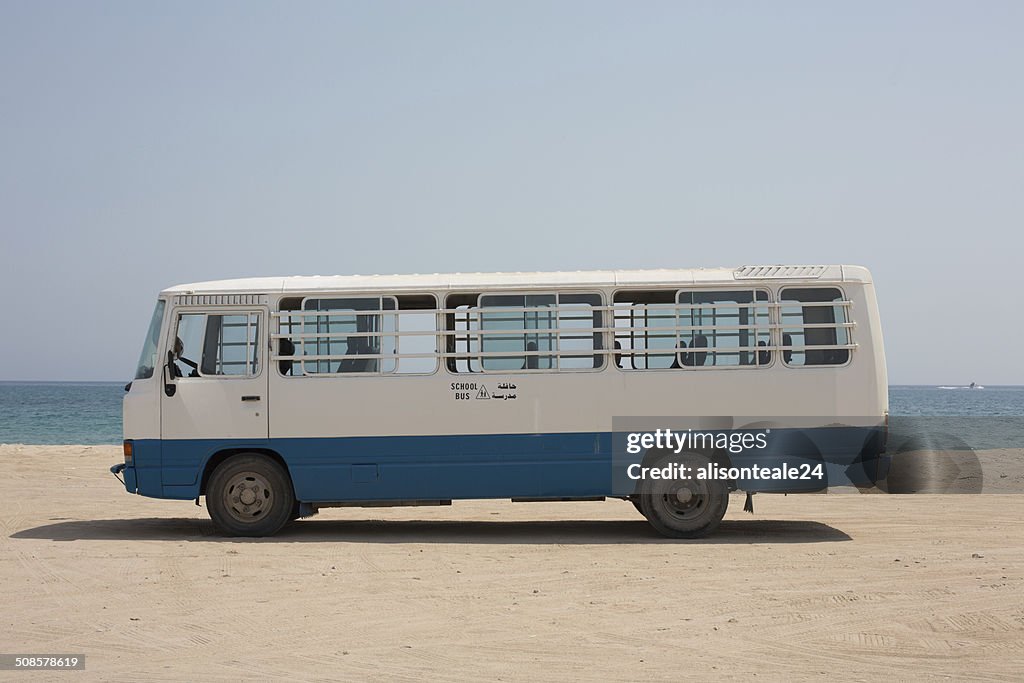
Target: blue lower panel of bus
[405, 467]
[569, 465]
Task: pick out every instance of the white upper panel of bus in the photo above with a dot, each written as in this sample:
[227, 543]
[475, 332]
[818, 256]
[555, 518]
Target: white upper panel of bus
[513, 281]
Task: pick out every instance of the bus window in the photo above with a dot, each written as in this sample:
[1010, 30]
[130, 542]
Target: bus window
[416, 341]
[358, 335]
[147, 359]
[461, 324]
[528, 321]
[416, 334]
[729, 324]
[213, 344]
[188, 347]
[347, 329]
[814, 317]
[578, 322]
[514, 332]
[645, 323]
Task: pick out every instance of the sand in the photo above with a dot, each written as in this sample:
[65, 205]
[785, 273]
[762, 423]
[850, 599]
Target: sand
[866, 587]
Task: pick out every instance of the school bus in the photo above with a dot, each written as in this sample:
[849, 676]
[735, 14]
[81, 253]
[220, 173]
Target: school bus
[276, 397]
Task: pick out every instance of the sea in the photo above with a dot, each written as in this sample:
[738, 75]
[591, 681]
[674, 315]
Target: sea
[90, 412]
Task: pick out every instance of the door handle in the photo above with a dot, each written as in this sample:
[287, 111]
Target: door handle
[250, 398]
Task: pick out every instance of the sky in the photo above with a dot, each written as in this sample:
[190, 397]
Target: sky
[148, 144]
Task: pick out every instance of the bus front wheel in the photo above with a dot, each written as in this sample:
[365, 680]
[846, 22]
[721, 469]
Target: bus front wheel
[684, 507]
[250, 495]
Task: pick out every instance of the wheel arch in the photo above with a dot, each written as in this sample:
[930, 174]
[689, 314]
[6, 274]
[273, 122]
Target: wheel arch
[225, 454]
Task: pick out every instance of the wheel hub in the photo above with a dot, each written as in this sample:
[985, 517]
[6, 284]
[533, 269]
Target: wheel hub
[247, 496]
[686, 499]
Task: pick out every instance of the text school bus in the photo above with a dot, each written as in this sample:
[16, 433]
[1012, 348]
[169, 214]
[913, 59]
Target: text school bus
[274, 397]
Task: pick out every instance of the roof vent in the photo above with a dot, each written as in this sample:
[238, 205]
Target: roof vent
[221, 300]
[777, 272]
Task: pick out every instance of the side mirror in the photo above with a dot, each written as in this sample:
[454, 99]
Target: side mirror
[168, 370]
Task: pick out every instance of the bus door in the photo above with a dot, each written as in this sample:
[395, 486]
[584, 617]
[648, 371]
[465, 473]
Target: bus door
[215, 387]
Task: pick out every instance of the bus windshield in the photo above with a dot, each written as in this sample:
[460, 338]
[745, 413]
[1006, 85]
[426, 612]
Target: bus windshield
[147, 360]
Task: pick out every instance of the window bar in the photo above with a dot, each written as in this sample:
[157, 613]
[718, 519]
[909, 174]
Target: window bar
[554, 335]
[248, 336]
[646, 325]
[398, 338]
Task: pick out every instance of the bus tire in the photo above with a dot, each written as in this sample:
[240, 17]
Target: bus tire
[250, 495]
[684, 508]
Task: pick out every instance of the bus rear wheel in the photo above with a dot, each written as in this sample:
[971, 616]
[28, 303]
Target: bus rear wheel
[684, 508]
[250, 495]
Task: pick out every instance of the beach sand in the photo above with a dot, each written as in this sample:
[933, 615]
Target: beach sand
[853, 586]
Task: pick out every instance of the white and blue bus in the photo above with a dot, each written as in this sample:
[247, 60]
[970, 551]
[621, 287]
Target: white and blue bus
[274, 397]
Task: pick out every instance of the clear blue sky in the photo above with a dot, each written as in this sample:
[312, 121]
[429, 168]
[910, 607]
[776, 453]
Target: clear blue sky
[145, 144]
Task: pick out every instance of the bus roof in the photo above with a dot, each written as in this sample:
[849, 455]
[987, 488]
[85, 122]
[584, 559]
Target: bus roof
[511, 281]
